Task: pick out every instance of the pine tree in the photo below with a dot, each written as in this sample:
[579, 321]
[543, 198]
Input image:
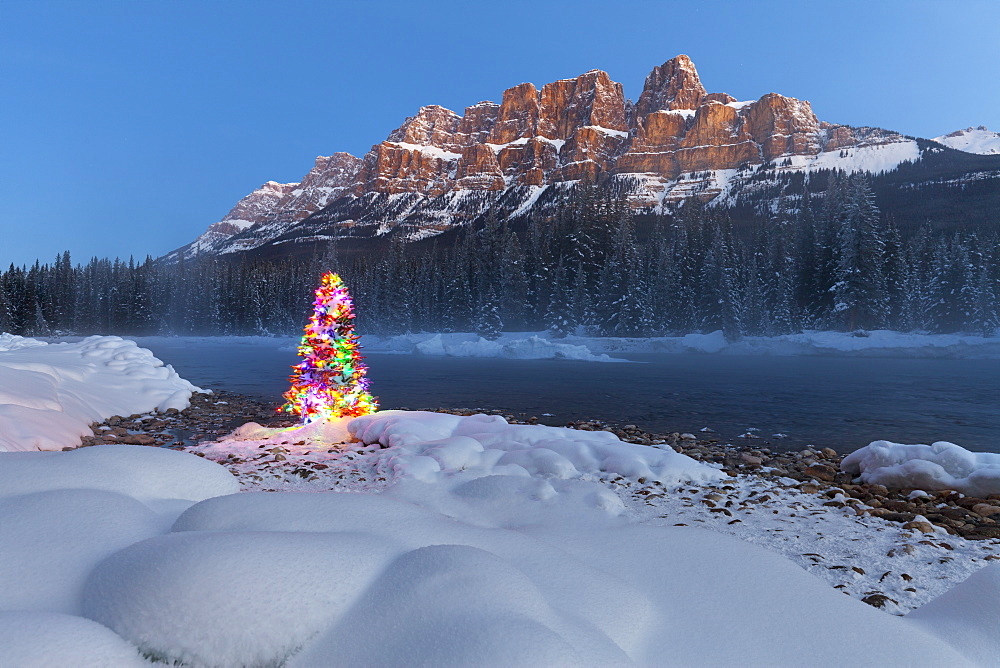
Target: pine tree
[860, 294]
[330, 382]
[560, 318]
[487, 321]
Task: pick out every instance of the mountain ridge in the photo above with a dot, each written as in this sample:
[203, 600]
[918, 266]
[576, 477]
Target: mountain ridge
[440, 169]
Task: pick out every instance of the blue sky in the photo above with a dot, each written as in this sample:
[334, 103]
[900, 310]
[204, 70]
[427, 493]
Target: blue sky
[128, 127]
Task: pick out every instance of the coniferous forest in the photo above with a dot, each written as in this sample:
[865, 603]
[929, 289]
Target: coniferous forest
[829, 261]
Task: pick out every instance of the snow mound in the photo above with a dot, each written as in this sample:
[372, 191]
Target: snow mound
[47, 639]
[232, 599]
[428, 446]
[49, 542]
[453, 605]
[941, 465]
[967, 616]
[151, 475]
[10, 342]
[51, 393]
[424, 446]
[567, 585]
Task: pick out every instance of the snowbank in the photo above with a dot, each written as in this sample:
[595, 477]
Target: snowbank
[941, 465]
[538, 345]
[45, 639]
[419, 445]
[530, 347]
[51, 393]
[430, 446]
[245, 598]
[462, 576]
[148, 474]
[966, 616]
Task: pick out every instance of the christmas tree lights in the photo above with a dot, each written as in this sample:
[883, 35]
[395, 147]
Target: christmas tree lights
[330, 381]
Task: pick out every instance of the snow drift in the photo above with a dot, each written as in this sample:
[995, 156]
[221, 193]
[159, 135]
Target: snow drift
[941, 465]
[51, 393]
[429, 446]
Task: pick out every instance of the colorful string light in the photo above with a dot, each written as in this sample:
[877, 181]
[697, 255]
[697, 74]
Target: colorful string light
[330, 381]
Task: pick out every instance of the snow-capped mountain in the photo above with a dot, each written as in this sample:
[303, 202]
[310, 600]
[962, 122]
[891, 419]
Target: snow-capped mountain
[972, 140]
[678, 141]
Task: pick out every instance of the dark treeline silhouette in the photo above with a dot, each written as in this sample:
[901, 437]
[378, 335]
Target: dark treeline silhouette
[824, 261]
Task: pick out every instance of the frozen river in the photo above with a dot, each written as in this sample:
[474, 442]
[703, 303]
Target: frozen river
[841, 402]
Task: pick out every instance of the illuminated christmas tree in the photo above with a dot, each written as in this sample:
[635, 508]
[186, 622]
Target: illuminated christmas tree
[330, 381]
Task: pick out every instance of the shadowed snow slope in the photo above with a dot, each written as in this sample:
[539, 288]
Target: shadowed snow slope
[51, 393]
[43, 639]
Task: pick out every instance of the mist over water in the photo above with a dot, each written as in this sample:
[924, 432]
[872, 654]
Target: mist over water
[840, 402]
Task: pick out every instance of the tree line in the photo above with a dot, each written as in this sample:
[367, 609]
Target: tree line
[829, 260]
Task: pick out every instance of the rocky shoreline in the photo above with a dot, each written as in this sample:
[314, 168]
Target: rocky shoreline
[812, 471]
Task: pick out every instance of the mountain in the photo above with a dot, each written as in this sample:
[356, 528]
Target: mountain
[440, 169]
[972, 140]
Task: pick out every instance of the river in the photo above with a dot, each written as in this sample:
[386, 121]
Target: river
[840, 402]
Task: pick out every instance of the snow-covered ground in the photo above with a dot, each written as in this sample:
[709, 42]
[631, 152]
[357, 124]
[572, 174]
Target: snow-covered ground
[941, 465]
[51, 393]
[973, 140]
[538, 345]
[408, 538]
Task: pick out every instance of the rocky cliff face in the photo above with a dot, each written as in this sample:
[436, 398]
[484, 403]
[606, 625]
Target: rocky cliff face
[677, 141]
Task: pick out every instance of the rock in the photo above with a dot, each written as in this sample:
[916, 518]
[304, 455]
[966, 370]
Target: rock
[137, 439]
[478, 169]
[392, 167]
[591, 99]
[922, 527]
[878, 600]
[751, 460]
[673, 85]
[829, 453]
[517, 116]
[821, 472]
[986, 509]
[433, 125]
[983, 532]
[783, 126]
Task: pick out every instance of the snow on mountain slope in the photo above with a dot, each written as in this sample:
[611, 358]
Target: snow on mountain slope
[972, 140]
[441, 168]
